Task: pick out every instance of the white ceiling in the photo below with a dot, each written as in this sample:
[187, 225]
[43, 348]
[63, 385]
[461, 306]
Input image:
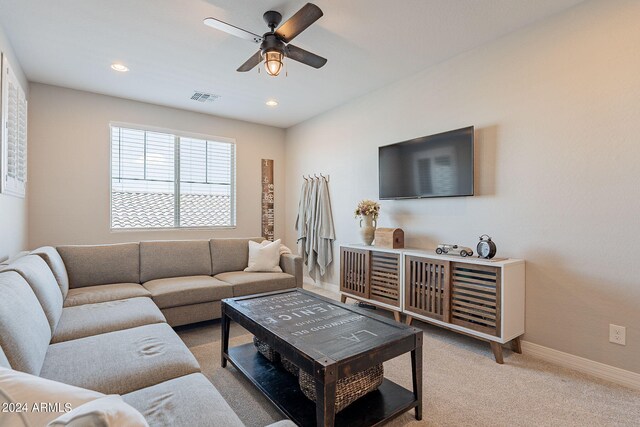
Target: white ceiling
[368, 44]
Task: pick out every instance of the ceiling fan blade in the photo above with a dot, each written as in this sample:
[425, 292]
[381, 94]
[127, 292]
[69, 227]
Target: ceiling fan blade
[251, 62]
[301, 55]
[299, 22]
[233, 30]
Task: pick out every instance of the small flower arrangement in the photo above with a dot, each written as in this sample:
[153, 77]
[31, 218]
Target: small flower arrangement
[368, 207]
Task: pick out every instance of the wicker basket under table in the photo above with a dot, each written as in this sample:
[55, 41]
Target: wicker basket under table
[348, 389]
[266, 350]
[274, 357]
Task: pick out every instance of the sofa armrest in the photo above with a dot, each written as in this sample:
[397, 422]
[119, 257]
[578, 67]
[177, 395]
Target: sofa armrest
[292, 264]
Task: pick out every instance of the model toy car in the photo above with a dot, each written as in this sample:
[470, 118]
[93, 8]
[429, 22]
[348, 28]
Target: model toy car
[463, 251]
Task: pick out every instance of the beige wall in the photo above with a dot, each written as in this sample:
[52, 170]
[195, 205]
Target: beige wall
[69, 165]
[13, 210]
[556, 108]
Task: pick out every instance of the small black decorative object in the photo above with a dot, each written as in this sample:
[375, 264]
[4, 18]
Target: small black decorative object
[486, 248]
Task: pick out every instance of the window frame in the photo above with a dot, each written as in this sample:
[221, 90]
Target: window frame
[177, 134]
[12, 186]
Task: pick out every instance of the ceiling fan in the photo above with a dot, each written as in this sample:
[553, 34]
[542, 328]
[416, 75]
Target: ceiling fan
[274, 44]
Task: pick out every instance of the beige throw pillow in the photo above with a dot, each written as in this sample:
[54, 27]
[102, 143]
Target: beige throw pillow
[264, 256]
[108, 411]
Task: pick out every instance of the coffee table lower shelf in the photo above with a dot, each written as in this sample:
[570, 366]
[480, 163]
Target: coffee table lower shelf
[281, 388]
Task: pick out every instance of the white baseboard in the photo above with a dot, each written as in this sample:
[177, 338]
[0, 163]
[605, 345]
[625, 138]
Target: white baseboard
[597, 369]
[324, 285]
[331, 287]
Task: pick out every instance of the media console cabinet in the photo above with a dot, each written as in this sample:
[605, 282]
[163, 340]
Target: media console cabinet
[477, 297]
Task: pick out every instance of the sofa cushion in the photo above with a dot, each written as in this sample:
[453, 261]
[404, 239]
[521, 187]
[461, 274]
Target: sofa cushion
[122, 361]
[24, 330]
[102, 412]
[104, 293]
[4, 362]
[53, 259]
[176, 258]
[93, 319]
[193, 313]
[230, 254]
[39, 276]
[179, 291]
[101, 264]
[186, 401]
[20, 388]
[246, 283]
[14, 258]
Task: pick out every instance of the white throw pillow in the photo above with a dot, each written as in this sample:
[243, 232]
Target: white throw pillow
[33, 401]
[264, 256]
[108, 411]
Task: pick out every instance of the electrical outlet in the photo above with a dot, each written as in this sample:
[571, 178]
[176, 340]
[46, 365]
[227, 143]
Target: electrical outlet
[617, 334]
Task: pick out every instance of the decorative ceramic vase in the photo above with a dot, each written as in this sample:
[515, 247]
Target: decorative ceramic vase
[368, 229]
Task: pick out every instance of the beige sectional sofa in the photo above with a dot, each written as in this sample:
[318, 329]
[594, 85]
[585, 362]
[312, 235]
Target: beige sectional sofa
[100, 317]
[186, 279]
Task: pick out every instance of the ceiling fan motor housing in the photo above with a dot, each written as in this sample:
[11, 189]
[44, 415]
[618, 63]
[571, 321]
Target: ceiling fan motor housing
[272, 43]
[272, 18]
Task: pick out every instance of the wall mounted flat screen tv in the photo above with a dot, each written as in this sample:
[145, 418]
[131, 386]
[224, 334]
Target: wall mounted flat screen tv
[438, 165]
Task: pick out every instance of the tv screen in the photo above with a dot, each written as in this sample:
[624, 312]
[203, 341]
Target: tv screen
[438, 165]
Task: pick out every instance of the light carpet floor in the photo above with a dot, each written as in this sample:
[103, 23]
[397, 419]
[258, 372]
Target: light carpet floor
[463, 386]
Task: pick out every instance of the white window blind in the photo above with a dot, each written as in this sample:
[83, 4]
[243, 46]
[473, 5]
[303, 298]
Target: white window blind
[14, 134]
[165, 180]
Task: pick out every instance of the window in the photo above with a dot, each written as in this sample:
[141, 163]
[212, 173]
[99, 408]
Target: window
[13, 149]
[168, 180]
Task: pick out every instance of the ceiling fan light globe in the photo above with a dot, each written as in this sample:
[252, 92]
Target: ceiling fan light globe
[273, 62]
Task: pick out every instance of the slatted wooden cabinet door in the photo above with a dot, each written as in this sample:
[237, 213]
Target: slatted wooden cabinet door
[354, 272]
[427, 287]
[385, 278]
[475, 297]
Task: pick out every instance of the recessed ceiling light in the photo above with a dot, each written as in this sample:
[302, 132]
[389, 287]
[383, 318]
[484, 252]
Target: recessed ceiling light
[272, 103]
[120, 68]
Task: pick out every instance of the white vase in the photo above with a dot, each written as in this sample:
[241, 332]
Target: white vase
[368, 229]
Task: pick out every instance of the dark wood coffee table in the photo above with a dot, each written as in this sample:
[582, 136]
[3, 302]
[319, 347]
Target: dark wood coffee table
[329, 340]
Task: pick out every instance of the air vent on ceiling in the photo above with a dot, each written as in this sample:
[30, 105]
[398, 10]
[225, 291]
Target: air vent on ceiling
[204, 97]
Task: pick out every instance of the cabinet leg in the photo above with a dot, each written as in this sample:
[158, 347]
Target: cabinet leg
[497, 351]
[343, 298]
[396, 315]
[516, 346]
[408, 319]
